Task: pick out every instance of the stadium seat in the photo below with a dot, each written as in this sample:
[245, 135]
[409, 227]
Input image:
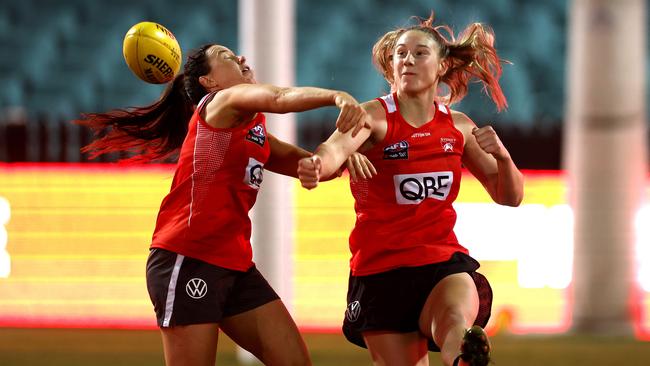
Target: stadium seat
[11, 92]
[333, 41]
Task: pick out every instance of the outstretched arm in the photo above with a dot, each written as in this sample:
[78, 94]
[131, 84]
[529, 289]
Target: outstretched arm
[240, 102]
[284, 160]
[490, 162]
[331, 154]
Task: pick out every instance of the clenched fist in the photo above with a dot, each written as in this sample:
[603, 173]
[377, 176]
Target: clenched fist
[488, 140]
[309, 171]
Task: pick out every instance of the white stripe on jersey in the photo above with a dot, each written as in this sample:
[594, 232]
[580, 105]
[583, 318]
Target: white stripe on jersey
[196, 140]
[171, 290]
[390, 103]
[200, 105]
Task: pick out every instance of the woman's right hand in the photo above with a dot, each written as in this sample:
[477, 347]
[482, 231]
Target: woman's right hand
[352, 116]
[309, 171]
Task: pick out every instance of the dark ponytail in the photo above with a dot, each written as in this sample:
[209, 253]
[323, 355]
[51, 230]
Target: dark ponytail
[195, 67]
[156, 131]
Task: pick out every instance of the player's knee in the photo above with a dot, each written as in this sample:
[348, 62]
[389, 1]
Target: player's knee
[449, 318]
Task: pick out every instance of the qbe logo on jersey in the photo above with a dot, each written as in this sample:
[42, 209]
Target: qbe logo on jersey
[411, 189]
[254, 173]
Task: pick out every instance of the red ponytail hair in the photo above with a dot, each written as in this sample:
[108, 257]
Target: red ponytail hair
[472, 55]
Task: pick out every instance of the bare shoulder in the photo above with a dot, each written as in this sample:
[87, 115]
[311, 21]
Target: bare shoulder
[377, 121]
[462, 122]
[221, 111]
[373, 107]
[228, 95]
[376, 112]
[461, 118]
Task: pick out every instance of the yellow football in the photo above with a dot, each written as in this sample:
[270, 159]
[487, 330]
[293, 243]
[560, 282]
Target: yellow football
[152, 52]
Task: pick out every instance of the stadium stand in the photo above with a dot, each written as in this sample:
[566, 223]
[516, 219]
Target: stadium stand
[66, 58]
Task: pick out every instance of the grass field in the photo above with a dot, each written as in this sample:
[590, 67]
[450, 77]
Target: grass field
[73, 347]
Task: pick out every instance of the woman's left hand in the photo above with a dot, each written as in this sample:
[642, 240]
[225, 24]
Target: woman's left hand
[359, 167]
[488, 140]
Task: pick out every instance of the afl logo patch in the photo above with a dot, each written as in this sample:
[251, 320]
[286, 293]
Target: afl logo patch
[196, 288]
[257, 134]
[398, 150]
[353, 311]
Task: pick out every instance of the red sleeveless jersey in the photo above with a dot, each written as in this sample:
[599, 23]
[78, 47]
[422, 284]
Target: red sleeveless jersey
[404, 214]
[219, 172]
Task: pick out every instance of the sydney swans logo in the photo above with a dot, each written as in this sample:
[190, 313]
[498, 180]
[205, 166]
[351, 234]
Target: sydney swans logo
[196, 288]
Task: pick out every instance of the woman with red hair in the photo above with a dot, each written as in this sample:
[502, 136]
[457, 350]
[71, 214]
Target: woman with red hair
[412, 285]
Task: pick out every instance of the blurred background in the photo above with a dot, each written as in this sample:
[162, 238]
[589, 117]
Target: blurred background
[76, 232]
[66, 58]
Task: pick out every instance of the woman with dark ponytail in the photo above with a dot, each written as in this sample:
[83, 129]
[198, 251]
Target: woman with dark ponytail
[413, 287]
[200, 273]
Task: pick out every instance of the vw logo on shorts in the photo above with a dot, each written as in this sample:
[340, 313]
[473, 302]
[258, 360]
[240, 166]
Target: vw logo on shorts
[196, 288]
[353, 310]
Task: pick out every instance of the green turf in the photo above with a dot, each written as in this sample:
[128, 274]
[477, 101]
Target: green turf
[71, 347]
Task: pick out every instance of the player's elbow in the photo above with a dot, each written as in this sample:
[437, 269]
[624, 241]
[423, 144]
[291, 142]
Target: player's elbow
[511, 203]
[511, 200]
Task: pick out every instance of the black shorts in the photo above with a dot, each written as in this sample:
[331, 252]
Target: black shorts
[393, 300]
[187, 291]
